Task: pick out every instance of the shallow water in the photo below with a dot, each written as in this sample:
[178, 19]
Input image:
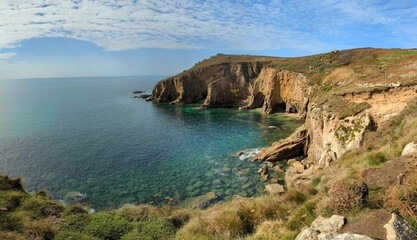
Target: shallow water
[90, 135]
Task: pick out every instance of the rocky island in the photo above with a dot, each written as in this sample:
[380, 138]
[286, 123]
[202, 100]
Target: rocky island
[351, 169]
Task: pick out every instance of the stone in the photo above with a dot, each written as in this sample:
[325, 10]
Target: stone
[327, 229]
[328, 225]
[238, 154]
[344, 236]
[274, 189]
[399, 229]
[270, 164]
[277, 169]
[410, 149]
[274, 180]
[298, 166]
[307, 234]
[264, 178]
[263, 170]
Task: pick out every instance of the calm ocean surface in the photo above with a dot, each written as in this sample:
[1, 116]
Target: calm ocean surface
[90, 135]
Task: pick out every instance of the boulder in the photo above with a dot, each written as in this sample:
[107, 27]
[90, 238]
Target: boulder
[263, 170]
[326, 229]
[308, 234]
[328, 225]
[277, 169]
[274, 189]
[398, 229]
[344, 236]
[410, 149]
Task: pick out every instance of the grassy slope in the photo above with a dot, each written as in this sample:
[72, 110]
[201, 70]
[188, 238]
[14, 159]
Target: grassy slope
[35, 216]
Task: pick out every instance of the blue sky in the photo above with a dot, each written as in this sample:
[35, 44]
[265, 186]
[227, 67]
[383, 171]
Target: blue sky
[56, 38]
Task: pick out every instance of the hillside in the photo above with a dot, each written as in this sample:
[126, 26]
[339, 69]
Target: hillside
[351, 167]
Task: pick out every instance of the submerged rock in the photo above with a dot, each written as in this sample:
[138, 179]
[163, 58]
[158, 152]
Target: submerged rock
[263, 170]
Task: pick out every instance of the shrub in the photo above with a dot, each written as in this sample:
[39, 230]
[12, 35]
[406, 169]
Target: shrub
[75, 223]
[402, 198]
[41, 208]
[315, 182]
[7, 183]
[107, 226]
[347, 195]
[11, 199]
[9, 222]
[157, 229]
[75, 209]
[377, 159]
[295, 196]
[137, 213]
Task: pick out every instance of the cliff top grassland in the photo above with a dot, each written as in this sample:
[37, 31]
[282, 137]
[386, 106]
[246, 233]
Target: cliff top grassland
[355, 157]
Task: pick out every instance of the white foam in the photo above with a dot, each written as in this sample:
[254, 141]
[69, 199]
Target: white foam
[248, 153]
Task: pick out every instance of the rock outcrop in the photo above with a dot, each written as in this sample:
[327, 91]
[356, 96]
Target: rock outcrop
[398, 229]
[219, 85]
[290, 147]
[237, 84]
[329, 136]
[327, 229]
[276, 90]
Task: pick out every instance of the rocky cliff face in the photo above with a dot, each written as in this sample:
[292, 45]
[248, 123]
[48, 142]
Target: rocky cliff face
[239, 84]
[276, 90]
[220, 85]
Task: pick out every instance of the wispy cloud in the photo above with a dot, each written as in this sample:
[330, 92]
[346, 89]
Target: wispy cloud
[4, 57]
[238, 25]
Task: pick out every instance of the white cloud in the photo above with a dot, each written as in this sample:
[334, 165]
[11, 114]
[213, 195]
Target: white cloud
[238, 25]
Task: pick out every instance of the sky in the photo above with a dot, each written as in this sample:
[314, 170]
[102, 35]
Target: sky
[71, 38]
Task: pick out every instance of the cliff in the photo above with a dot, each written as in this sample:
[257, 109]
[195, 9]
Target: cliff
[233, 81]
[341, 95]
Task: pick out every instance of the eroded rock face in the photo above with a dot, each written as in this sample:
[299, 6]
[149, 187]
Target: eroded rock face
[275, 90]
[329, 137]
[216, 86]
[246, 85]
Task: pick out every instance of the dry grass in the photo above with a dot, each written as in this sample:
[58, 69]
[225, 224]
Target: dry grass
[402, 198]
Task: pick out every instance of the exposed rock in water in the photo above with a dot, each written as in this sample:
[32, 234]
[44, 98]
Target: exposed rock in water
[410, 149]
[263, 170]
[293, 146]
[138, 92]
[398, 229]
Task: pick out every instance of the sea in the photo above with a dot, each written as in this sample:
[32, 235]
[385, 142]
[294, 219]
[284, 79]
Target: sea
[90, 140]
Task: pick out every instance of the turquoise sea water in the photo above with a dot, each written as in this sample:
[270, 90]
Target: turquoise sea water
[90, 135]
